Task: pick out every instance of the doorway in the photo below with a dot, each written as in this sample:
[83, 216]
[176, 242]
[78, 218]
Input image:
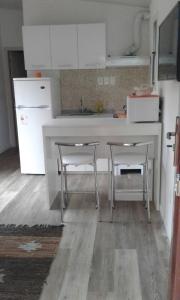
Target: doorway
[154, 55]
[16, 69]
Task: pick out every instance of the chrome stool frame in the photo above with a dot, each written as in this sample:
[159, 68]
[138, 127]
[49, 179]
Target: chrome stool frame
[144, 163]
[62, 168]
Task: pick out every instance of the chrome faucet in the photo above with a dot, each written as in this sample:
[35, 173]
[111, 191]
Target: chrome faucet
[82, 105]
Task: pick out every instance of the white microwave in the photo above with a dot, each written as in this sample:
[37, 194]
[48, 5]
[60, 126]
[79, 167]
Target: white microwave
[143, 108]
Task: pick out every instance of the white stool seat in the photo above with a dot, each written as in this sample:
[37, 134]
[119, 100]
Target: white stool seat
[76, 159]
[129, 159]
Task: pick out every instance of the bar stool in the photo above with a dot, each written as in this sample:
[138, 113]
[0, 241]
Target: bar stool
[130, 158]
[76, 158]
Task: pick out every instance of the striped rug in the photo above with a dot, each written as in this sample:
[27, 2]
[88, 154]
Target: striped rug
[26, 255]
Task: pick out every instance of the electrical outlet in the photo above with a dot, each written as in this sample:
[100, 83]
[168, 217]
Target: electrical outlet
[100, 81]
[112, 80]
[106, 80]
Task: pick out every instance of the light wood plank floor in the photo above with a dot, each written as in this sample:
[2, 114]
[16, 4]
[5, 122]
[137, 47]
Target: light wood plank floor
[126, 260]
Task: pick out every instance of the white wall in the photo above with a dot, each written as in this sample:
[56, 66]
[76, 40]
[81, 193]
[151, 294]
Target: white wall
[162, 8]
[11, 38]
[4, 128]
[170, 92]
[119, 19]
[11, 23]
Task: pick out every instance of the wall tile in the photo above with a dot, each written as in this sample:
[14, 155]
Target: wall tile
[83, 83]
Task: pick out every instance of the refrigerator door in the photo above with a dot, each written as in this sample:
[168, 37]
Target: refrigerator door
[32, 93]
[31, 151]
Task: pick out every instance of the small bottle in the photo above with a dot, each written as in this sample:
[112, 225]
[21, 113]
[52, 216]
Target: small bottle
[37, 74]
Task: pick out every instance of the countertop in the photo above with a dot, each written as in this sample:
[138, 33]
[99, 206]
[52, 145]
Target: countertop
[95, 115]
[104, 120]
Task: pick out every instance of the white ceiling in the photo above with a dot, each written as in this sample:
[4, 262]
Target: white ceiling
[138, 3]
[17, 4]
[11, 4]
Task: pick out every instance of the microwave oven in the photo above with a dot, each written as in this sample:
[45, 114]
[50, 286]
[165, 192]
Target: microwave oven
[143, 108]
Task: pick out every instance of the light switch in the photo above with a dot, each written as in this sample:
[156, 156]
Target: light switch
[106, 80]
[112, 80]
[100, 81]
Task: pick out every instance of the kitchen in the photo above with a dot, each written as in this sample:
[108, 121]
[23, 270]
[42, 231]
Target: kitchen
[91, 89]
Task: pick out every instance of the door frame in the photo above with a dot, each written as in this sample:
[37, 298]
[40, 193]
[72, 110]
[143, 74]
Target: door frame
[7, 83]
[174, 288]
[154, 20]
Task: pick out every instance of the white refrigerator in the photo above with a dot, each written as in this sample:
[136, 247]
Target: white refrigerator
[37, 100]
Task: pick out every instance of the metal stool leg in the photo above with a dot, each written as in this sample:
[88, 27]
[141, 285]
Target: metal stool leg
[96, 192]
[112, 191]
[96, 186]
[95, 178]
[144, 185]
[112, 184]
[109, 180]
[66, 188]
[62, 196]
[147, 187]
[113, 178]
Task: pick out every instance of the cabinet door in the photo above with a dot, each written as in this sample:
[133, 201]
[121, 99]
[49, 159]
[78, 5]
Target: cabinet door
[64, 47]
[91, 46]
[36, 40]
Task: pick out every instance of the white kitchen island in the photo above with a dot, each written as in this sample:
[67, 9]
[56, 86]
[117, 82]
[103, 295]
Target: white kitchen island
[100, 129]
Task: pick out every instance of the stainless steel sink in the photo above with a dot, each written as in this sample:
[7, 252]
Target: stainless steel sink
[81, 113]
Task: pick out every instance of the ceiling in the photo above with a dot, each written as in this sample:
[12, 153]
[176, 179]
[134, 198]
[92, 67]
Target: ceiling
[11, 4]
[17, 4]
[138, 3]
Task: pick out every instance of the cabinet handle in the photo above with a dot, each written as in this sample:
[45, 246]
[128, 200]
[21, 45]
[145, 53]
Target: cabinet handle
[92, 65]
[65, 66]
[42, 106]
[20, 107]
[38, 66]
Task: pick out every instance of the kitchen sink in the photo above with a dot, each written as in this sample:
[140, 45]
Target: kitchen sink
[86, 113]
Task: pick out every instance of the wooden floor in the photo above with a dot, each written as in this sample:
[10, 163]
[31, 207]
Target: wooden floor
[126, 260]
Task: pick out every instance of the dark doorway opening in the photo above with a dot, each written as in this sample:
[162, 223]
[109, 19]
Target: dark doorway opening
[16, 67]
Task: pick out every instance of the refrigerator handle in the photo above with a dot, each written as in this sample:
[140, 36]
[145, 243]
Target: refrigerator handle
[38, 107]
[42, 106]
[20, 107]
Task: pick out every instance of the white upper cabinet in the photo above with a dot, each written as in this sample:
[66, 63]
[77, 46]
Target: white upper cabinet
[92, 46]
[61, 47]
[64, 47]
[37, 52]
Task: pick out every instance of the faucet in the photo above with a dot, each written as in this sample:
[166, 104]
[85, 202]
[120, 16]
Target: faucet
[81, 104]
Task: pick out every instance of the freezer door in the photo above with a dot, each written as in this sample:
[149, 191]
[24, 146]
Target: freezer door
[29, 122]
[32, 93]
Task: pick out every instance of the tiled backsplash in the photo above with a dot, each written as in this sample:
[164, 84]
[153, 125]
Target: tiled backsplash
[111, 86]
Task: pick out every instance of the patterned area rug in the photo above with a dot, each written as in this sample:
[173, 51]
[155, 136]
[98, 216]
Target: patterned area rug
[26, 255]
